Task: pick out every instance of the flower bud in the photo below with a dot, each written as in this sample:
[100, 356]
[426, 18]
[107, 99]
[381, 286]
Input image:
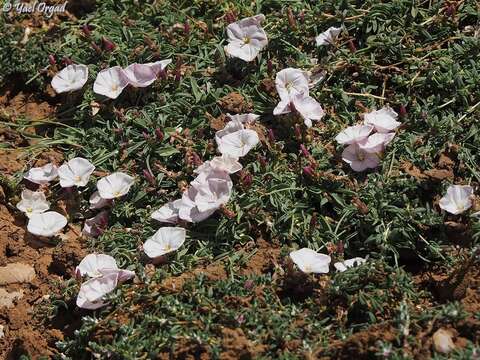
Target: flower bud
[146, 136]
[159, 134]
[247, 180]
[230, 17]
[248, 284]
[298, 132]
[313, 220]
[291, 19]
[269, 67]
[51, 59]
[149, 177]
[86, 30]
[196, 159]
[352, 46]
[403, 111]
[108, 45]
[308, 170]
[263, 162]
[301, 16]
[186, 27]
[304, 151]
[271, 135]
[67, 61]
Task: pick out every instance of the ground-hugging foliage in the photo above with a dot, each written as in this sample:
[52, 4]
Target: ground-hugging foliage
[421, 57]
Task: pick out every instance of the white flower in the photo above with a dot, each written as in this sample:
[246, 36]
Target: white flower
[158, 66]
[93, 264]
[226, 163]
[167, 214]
[246, 38]
[212, 194]
[328, 37]
[75, 172]
[33, 202]
[110, 82]
[93, 291]
[457, 199]
[384, 120]
[244, 118]
[290, 82]
[309, 261]
[358, 159]
[42, 175]
[187, 208]
[71, 78]
[230, 128]
[354, 134]
[46, 224]
[142, 75]
[239, 143]
[97, 202]
[114, 185]
[165, 240]
[96, 225]
[308, 108]
[342, 266]
[376, 143]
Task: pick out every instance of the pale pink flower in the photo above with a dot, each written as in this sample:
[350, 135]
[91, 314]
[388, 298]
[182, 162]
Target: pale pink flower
[239, 143]
[458, 199]
[230, 128]
[307, 107]
[92, 265]
[244, 118]
[46, 224]
[187, 208]
[226, 163]
[384, 120]
[354, 134]
[110, 82]
[344, 265]
[71, 78]
[358, 159]
[309, 261]
[377, 142]
[92, 292]
[246, 38]
[114, 185]
[142, 75]
[76, 172]
[328, 37]
[164, 241]
[168, 213]
[212, 193]
[290, 82]
[42, 175]
[96, 225]
[33, 202]
[97, 202]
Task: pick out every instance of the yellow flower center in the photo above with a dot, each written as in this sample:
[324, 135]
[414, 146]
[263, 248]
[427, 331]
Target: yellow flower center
[114, 87]
[29, 210]
[78, 178]
[360, 156]
[116, 193]
[246, 40]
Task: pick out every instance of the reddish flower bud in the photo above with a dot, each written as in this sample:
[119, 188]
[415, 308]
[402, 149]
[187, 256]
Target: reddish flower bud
[308, 170]
[247, 180]
[450, 10]
[196, 159]
[403, 111]
[186, 27]
[228, 213]
[108, 45]
[230, 17]
[149, 177]
[271, 135]
[313, 220]
[301, 16]
[352, 46]
[51, 59]
[298, 132]
[248, 284]
[67, 61]
[159, 134]
[146, 136]
[178, 66]
[95, 47]
[269, 67]
[263, 162]
[304, 151]
[86, 30]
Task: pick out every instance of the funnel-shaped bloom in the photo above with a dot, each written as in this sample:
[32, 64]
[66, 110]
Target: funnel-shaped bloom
[384, 120]
[92, 292]
[290, 82]
[246, 38]
[110, 82]
[354, 134]
[377, 142]
[226, 163]
[76, 172]
[165, 240]
[96, 225]
[212, 194]
[98, 265]
[307, 107]
[115, 185]
[230, 128]
[142, 75]
[309, 261]
[342, 266]
[167, 214]
[71, 78]
[457, 199]
[239, 143]
[187, 208]
[33, 202]
[328, 37]
[97, 202]
[46, 224]
[42, 175]
[358, 159]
